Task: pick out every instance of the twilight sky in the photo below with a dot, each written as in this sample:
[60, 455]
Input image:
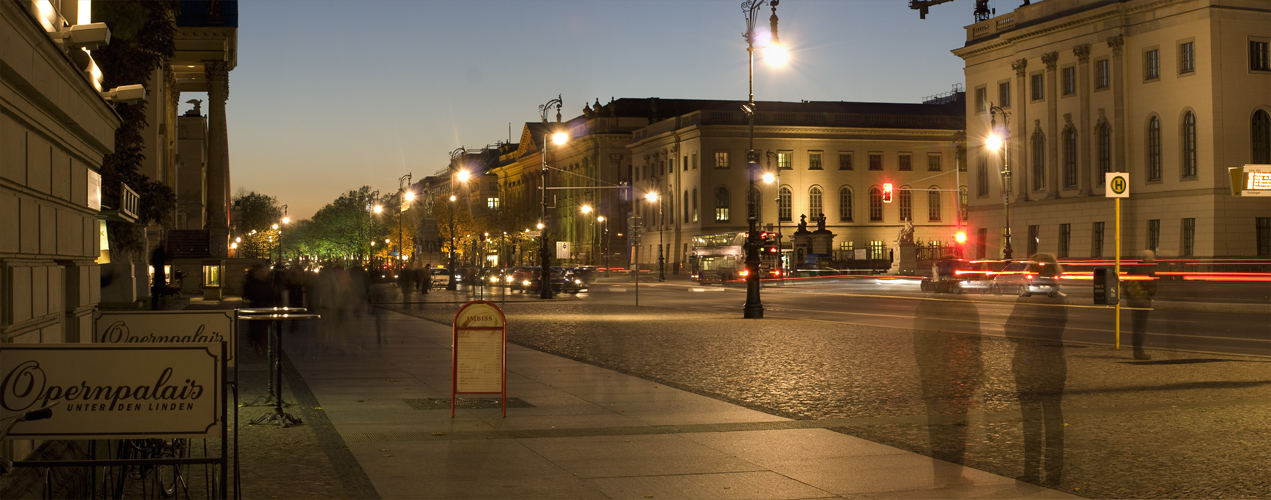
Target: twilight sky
[332, 95]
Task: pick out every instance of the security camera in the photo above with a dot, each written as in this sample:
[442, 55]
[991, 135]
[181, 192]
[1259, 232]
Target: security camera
[89, 36]
[126, 94]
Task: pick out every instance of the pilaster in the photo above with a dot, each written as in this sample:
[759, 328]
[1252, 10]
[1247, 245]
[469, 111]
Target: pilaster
[1051, 60]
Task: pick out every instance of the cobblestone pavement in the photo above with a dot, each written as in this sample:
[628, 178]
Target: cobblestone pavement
[1180, 426]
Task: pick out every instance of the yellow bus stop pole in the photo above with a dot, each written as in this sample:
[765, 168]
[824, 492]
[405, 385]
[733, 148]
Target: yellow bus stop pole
[1118, 271]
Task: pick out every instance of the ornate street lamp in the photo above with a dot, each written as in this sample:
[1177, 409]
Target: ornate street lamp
[1002, 144]
[653, 197]
[775, 54]
[545, 256]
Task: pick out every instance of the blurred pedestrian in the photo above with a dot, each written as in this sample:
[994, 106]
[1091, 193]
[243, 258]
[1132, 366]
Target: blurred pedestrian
[158, 283]
[1036, 327]
[1139, 291]
[947, 350]
[259, 291]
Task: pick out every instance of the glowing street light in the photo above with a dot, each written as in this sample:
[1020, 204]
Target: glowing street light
[653, 197]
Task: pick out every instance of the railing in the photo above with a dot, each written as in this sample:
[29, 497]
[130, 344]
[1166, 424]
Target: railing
[993, 26]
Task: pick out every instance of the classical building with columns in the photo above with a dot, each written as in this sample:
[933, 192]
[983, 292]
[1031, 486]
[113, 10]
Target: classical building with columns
[827, 159]
[1171, 91]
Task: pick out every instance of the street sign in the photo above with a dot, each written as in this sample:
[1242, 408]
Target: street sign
[1118, 184]
[562, 250]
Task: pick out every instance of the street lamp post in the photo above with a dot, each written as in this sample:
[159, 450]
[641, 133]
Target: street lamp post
[1002, 143]
[775, 178]
[604, 246]
[750, 8]
[409, 196]
[450, 282]
[653, 197]
[545, 257]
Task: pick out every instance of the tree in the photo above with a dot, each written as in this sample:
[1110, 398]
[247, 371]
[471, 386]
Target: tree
[143, 35]
[347, 226]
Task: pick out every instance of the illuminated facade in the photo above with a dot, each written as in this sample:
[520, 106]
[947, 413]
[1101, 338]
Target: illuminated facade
[1173, 92]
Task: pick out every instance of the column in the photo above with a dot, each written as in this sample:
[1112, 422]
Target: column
[218, 183]
[1119, 152]
[1052, 128]
[1084, 139]
[1018, 148]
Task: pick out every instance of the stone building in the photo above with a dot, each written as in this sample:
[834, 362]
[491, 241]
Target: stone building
[1171, 91]
[827, 158]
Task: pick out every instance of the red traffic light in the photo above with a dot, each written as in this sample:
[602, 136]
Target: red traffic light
[887, 192]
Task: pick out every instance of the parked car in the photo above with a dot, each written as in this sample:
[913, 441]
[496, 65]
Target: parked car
[1026, 277]
[439, 277]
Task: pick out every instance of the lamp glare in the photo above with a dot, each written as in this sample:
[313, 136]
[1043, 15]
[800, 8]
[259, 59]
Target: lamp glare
[776, 55]
[559, 138]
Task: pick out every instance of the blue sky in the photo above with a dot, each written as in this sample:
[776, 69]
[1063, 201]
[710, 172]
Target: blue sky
[332, 95]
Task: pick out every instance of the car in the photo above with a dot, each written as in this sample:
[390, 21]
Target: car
[439, 277]
[586, 273]
[568, 282]
[1026, 277]
[961, 276]
[525, 278]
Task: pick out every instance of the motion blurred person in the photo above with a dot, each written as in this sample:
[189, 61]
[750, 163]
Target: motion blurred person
[1138, 295]
[259, 291]
[947, 349]
[1036, 326]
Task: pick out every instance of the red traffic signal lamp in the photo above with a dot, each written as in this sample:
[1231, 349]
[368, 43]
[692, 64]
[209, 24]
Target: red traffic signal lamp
[887, 189]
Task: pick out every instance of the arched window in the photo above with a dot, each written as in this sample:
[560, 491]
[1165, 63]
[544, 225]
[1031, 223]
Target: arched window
[1070, 158]
[875, 204]
[1039, 161]
[1105, 151]
[906, 205]
[1189, 144]
[783, 202]
[814, 203]
[722, 204]
[685, 204]
[845, 204]
[694, 204]
[1154, 149]
[1260, 137]
[933, 204]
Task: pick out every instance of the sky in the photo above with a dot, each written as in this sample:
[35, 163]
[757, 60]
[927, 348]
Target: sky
[330, 95]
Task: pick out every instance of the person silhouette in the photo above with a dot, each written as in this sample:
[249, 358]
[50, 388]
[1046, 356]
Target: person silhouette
[1036, 327]
[947, 350]
[1138, 295]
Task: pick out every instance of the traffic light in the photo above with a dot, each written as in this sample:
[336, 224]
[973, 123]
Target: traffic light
[887, 192]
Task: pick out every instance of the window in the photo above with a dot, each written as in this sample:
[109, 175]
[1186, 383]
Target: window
[494, 186]
[1259, 60]
[1154, 234]
[1152, 64]
[982, 177]
[906, 205]
[684, 164]
[1070, 80]
[784, 211]
[846, 246]
[722, 204]
[845, 204]
[814, 160]
[1004, 94]
[1039, 162]
[686, 206]
[1070, 158]
[1154, 149]
[933, 162]
[1189, 144]
[845, 161]
[1105, 151]
[694, 204]
[721, 159]
[492, 203]
[981, 99]
[906, 162]
[1039, 87]
[815, 203]
[1189, 237]
[875, 204]
[785, 160]
[1096, 240]
[1034, 239]
[1186, 57]
[875, 161]
[694, 161]
[933, 204]
[878, 250]
[1263, 225]
[981, 237]
[1101, 73]
[1260, 137]
[1065, 236]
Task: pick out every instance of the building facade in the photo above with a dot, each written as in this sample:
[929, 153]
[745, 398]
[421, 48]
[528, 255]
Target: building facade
[1171, 91]
[829, 159]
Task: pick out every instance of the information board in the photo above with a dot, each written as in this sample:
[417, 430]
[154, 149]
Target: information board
[479, 352]
[166, 327]
[108, 391]
[1256, 181]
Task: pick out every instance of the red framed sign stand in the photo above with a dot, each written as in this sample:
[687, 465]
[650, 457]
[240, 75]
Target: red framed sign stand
[479, 353]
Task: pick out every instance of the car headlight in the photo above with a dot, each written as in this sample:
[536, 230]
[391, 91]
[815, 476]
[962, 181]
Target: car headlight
[578, 282]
